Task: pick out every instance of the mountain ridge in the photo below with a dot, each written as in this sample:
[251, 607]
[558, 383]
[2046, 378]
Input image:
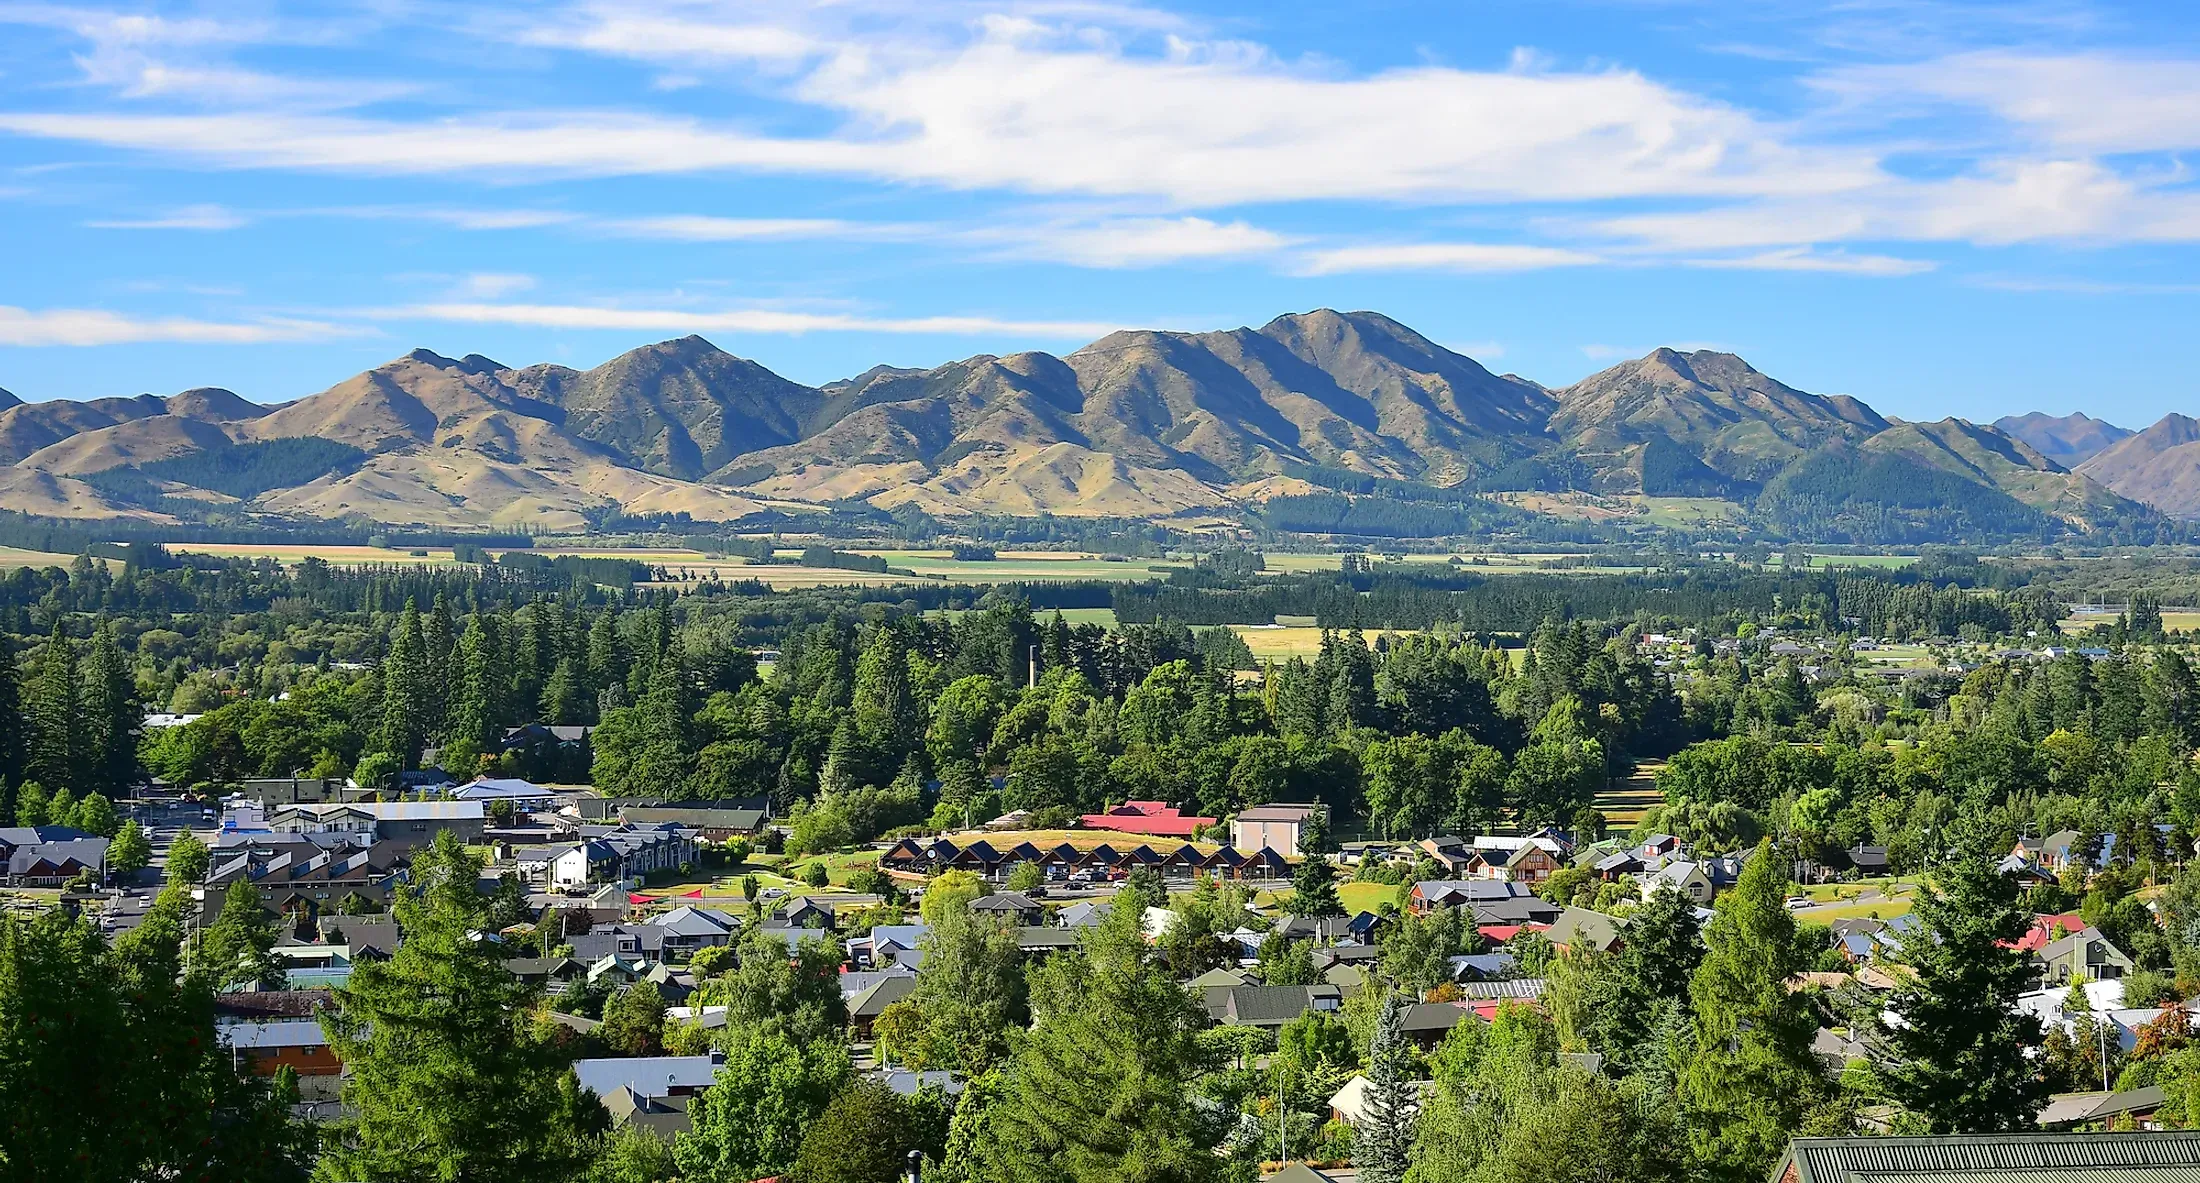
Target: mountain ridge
[1138, 424]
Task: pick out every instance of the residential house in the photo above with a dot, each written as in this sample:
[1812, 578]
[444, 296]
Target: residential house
[1153, 818]
[1582, 929]
[603, 809]
[48, 856]
[1692, 879]
[1008, 907]
[865, 1008]
[303, 887]
[266, 1047]
[1082, 914]
[653, 1077]
[523, 796]
[2130, 1108]
[1992, 1158]
[688, 930]
[408, 824]
[1491, 901]
[2086, 952]
[713, 825]
[621, 853]
[1273, 827]
[1271, 1007]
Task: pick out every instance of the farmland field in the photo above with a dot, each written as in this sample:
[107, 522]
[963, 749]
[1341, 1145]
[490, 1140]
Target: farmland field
[11, 558]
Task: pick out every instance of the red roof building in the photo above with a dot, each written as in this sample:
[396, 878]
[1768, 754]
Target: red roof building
[1153, 818]
[2042, 933]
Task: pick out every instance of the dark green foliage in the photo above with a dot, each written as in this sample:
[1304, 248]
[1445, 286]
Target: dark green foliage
[1314, 889]
[1958, 1058]
[1840, 494]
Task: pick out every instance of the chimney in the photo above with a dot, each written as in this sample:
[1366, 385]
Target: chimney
[1034, 667]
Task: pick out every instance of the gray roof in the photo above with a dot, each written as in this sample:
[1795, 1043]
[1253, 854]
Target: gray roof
[1503, 988]
[881, 994]
[648, 1076]
[1998, 1156]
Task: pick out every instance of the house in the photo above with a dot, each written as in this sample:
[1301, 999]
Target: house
[1580, 928]
[549, 972]
[715, 825]
[268, 1046]
[1528, 864]
[432, 781]
[1491, 901]
[1350, 1105]
[55, 855]
[1153, 818]
[409, 824]
[277, 791]
[688, 930]
[2077, 1110]
[665, 1118]
[804, 912]
[1299, 1172]
[1008, 907]
[865, 1008]
[1082, 914]
[603, 809]
[649, 1076]
[1271, 1007]
[623, 852]
[2086, 952]
[1273, 827]
[1992, 1158]
[1037, 941]
[299, 885]
[525, 796]
[1692, 879]
[1426, 1023]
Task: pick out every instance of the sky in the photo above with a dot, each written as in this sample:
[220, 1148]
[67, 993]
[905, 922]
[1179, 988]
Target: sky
[1943, 208]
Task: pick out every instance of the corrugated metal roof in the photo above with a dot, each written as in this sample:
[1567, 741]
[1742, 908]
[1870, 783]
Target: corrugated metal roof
[2173, 1174]
[1848, 1160]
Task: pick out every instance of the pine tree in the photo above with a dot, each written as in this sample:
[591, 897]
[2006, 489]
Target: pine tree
[439, 645]
[477, 684]
[1960, 1050]
[56, 731]
[238, 948]
[13, 738]
[1314, 889]
[405, 691]
[110, 716]
[1753, 1075]
[1383, 1143]
[444, 1073]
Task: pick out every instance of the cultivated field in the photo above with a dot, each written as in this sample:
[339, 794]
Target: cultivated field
[11, 558]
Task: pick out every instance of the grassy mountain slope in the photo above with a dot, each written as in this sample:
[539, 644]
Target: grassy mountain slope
[2159, 466]
[1735, 420]
[1997, 460]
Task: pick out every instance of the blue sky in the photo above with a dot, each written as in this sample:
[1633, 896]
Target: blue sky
[1942, 208]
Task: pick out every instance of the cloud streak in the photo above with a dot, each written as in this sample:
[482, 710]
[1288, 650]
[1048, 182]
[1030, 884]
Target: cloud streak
[91, 326]
[741, 320]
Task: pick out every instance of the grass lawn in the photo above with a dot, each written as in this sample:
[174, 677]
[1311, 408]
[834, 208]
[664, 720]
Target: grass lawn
[1877, 910]
[1283, 643]
[1368, 897]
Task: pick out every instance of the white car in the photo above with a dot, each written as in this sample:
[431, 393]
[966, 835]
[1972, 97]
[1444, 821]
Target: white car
[1799, 901]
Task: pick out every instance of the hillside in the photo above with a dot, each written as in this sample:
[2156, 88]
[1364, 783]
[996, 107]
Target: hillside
[1347, 418]
[2159, 466]
[2068, 440]
[1734, 420]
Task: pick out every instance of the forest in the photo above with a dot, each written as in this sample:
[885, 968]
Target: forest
[1448, 703]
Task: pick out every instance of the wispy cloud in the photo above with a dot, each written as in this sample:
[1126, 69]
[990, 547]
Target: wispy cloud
[1805, 259]
[1133, 242]
[190, 217]
[92, 326]
[491, 285]
[704, 228]
[1443, 256]
[739, 320]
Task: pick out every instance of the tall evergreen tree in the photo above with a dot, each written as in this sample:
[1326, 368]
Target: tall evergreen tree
[444, 1073]
[1959, 1053]
[1753, 1075]
[1383, 1143]
[238, 948]
[14, 742]
[405, 691]
[1314, 889]
[110, 716]
[56, 747]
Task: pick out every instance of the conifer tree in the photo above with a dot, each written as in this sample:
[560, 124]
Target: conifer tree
[405, 691]
[1753, 1075]
[56, 734]
[1383, 1143]
[238, 948]
[1959, 1053]
[1314, 889]
[477, 683]
[13, 740]
[110, 716]
[444, 1073]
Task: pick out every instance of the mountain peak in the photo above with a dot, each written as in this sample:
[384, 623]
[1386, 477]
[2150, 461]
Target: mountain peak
[8, 399]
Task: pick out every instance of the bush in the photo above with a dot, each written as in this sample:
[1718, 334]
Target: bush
[814, 874]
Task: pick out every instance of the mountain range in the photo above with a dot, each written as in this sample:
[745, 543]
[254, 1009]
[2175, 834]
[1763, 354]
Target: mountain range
[1140, 424]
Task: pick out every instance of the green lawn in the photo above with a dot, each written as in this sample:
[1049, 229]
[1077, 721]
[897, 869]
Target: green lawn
[1366, 897]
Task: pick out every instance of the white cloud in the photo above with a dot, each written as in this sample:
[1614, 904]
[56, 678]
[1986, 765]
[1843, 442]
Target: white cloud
[91, 326]
[491, 285]
[745, 320]
[1443, 256]
[703, 228]
[1134, 242]
[1482, 351]
[190, 217]
[1805, 259]
[2080, 102]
